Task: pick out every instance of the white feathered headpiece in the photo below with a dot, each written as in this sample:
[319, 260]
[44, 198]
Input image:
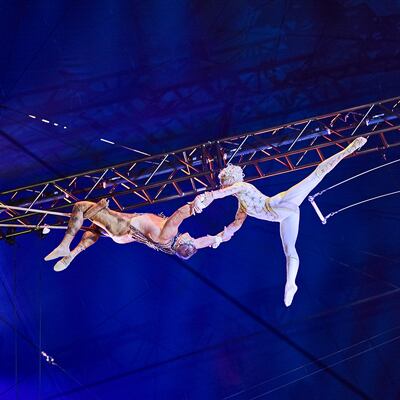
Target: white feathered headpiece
[230, 175]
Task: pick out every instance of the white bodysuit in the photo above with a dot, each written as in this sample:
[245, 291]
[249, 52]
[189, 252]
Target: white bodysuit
[282, 207]
[258, 205]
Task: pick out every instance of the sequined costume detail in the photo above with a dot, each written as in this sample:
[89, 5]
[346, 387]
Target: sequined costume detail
[164, 247]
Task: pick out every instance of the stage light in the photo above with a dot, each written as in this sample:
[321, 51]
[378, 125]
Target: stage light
[376, 119]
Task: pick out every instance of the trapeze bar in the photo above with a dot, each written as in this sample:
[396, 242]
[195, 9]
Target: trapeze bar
[33, 226]
[325, 218]
[317, 210]
[35, 210]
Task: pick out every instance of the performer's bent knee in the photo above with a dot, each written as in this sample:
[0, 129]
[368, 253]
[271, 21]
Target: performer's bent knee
[81, 206]
[290, 251]
[292, 209]
[84, 207]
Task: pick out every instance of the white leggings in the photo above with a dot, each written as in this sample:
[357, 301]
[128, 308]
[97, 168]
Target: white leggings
[289, 226]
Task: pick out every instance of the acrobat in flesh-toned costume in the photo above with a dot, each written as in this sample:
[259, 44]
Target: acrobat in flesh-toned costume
[159, 233]
[282, 208]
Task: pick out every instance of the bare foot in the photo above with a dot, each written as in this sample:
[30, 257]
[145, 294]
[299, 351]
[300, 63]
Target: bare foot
[56, 253]
[62, 264]
[290, 291]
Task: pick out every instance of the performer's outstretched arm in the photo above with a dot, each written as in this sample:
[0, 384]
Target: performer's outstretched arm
[227, 191]
[207, 241]
[234, 226]
[224, 236]
[203, 200]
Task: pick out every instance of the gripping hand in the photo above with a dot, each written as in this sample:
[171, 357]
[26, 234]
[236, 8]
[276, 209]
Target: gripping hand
[217, 241]
[201, 202]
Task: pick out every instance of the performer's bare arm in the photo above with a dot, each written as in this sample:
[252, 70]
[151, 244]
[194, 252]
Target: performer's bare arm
[224, 236]
[226, 191]
[234, 226]
[205, 199]
[206, 241]
[171, 226]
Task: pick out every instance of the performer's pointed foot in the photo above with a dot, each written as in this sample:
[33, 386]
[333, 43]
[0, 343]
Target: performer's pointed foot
[57, 252]
[62, 264]
[290, 291]
[357, 143]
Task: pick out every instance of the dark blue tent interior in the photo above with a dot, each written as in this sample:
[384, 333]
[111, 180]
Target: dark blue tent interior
[126, 322]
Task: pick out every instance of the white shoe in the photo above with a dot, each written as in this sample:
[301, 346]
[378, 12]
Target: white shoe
[358, 143]
[57, 253]
[290, 291]
[62, 264]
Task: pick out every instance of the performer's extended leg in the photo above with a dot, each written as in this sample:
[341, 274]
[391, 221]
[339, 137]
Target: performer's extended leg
[297, 193]
[171, 225]
[289, 229]
[74, 224]
[88, 239]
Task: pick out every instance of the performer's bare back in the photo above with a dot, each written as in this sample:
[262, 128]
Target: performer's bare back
[118, 225]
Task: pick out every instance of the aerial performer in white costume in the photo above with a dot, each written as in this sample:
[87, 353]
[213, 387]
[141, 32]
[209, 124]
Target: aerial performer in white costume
[282, 208]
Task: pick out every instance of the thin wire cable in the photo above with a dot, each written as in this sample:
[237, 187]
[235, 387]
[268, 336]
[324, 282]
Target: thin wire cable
[362, 120]
[36, 346]
[35, 117]
[328, 366]
[272, 329]
[320, 253]
[310, 363]
[38, 50]
[356, 176]
[213, 347]
[15, 324]
[352, 304]
[396, 290]
[299, 135]
[322, 314]
[87, 389]
[238, 148]
[40, 335]
[361, 202]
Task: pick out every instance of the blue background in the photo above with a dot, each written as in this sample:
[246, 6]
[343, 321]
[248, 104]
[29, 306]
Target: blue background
[129, 323]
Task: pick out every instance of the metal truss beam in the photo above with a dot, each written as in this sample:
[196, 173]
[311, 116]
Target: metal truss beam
[188, 171]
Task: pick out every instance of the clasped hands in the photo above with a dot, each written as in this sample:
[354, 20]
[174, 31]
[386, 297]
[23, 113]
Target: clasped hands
[201, 201]
[223, 236]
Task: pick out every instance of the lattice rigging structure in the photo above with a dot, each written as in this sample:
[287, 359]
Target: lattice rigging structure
[188, 171]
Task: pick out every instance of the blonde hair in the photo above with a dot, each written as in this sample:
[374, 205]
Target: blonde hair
[184, 246]
[230, 175]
